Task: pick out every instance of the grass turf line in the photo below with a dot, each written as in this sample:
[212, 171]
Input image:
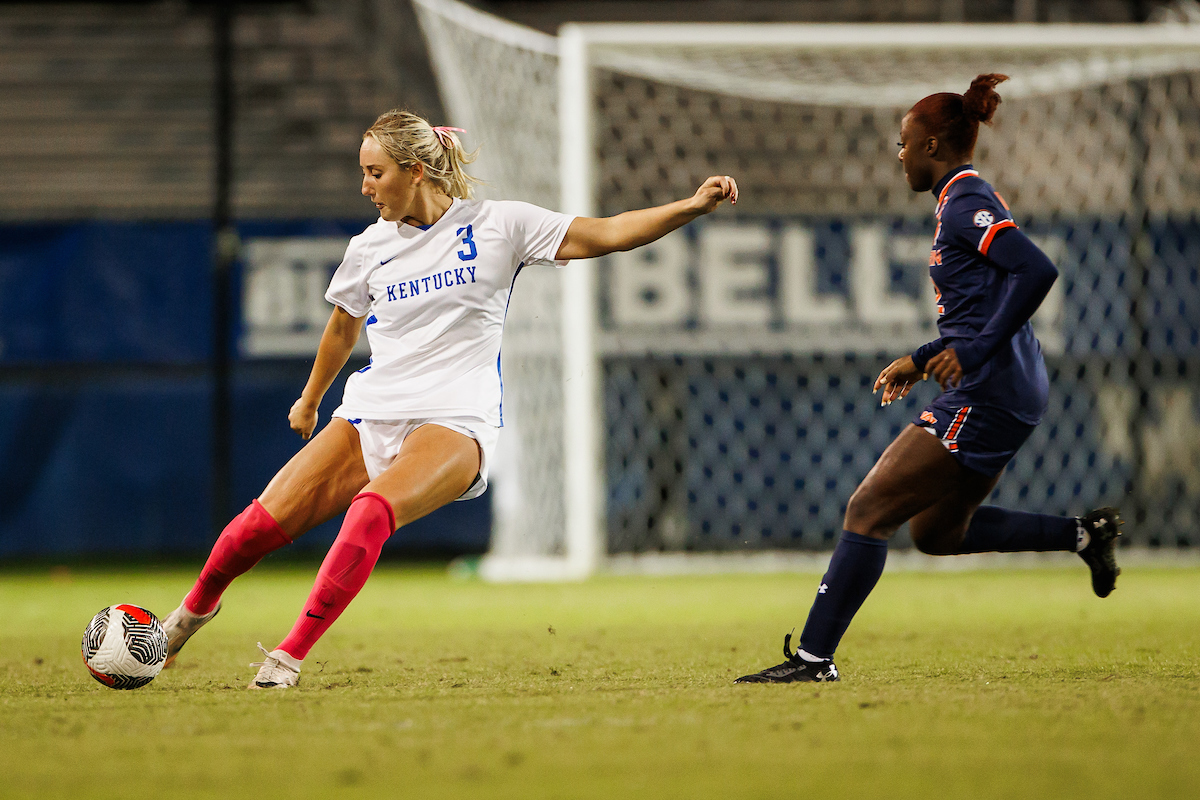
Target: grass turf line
[972, 685]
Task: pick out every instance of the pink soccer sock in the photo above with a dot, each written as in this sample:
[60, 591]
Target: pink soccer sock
[368, 524]
[245, 540]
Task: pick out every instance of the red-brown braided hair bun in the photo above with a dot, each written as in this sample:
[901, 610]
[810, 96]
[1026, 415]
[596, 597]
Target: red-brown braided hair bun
[954, 118]
[980, 101]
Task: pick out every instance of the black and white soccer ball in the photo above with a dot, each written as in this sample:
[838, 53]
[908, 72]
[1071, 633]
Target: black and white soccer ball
[124, 647]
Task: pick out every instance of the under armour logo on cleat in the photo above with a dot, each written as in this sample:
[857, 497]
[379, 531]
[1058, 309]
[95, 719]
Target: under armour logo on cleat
[824, 586]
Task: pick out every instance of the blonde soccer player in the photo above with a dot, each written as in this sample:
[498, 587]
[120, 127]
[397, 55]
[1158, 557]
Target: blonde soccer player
[430, 281]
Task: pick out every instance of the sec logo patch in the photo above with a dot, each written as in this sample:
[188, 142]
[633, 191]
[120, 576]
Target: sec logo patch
[983, 218]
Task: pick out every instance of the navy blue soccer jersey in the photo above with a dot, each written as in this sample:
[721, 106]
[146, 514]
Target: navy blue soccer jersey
[971, 282]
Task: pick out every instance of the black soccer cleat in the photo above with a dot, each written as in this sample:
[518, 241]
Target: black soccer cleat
[1103, 526]
[795, 669]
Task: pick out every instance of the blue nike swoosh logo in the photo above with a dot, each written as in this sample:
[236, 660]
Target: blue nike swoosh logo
[386, 260]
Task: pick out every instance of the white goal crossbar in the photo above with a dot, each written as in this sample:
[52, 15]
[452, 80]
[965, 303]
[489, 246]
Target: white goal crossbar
[724, 59]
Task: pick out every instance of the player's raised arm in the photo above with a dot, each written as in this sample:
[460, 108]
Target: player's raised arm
[337, 342]
[589, 237]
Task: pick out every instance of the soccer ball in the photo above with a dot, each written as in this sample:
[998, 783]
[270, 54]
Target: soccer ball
[124, 647]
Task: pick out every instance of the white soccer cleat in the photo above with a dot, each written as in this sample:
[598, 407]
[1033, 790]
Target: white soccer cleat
[180, 624]
[278, 670]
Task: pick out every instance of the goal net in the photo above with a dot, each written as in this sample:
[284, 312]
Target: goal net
[499, 81]
[711, 392]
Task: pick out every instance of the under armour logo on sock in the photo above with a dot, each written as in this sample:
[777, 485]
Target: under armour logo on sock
[824, 586]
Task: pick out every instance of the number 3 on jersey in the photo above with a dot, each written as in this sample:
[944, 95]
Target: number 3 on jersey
[470, 252]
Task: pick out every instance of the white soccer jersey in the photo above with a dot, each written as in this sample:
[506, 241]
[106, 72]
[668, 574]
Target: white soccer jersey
[435, 300]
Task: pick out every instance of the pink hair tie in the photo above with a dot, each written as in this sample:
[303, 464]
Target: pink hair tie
[443, 135]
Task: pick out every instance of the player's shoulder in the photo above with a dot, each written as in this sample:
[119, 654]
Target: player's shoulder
[513, 218]
[378, 231]
[972, 201]
[480, 209]
[971, 183]
[505, 208]
[373, 236]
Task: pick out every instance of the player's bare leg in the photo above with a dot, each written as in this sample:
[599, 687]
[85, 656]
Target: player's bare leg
[315, 485]
[318, 482]
[959, 523]
[913, 474]
[435, 466]
[939, 529]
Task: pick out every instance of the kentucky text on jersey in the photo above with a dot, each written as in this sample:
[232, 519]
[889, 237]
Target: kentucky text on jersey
[436, 297]
[431, 283]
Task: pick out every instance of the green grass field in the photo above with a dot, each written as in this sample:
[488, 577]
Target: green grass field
[955, 685]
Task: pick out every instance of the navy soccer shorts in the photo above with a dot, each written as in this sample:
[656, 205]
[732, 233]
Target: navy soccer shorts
[981, 438]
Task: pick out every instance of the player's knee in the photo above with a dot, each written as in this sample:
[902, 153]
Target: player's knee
[864, 516]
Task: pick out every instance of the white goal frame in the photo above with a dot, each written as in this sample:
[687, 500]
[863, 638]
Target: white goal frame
[581, 47]
[584, 478]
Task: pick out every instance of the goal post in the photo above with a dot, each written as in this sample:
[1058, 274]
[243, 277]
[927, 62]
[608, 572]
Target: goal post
[709, 393]
[583, 406]
[499, 81]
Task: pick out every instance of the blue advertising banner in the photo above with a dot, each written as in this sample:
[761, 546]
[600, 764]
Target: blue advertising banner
[105, 292]
[105, 394]
[105, 337]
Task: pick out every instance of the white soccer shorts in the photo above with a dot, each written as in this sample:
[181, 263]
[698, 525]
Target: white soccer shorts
[380, 441]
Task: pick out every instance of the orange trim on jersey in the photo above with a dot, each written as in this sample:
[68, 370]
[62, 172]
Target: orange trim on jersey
[1001, 199]
[991, 232]
[956, 426]
[966, 173]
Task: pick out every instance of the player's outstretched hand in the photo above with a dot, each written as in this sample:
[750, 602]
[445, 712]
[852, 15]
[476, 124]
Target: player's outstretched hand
[945, 369]
[897, 380]
[714, 190]
[303, 418]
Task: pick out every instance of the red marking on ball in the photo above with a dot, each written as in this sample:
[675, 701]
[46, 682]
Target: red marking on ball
[100, 676]
[140, 614]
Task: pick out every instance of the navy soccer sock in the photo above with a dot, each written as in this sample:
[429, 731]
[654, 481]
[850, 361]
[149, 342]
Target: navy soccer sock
[998, 530]
[853, 572]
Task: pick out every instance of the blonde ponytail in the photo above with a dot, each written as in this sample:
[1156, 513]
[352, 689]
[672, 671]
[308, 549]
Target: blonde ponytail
[409, 139]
